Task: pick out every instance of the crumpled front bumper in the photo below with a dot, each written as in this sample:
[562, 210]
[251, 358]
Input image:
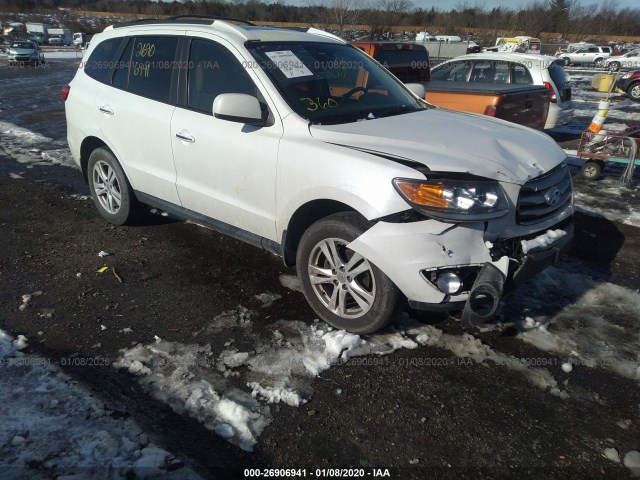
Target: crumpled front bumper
[410, 253]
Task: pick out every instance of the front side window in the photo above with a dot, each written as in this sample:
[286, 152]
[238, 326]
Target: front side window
[214, 70]
[332, 83]
[146, 67]
[450, 72]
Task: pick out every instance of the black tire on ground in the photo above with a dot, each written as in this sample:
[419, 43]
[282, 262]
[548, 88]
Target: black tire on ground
[364, 298]
[634, 91]
[614, 66]
[591, 170]
[566, 61]
[110, 189]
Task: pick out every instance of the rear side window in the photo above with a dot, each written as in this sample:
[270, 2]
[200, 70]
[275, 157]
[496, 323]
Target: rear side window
[102, 61]
[146, 67]
[214, 70]
[403, 58]
[558, 75]
[485, 71]
[520, 74]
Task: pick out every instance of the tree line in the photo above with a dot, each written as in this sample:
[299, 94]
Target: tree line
[563, 17]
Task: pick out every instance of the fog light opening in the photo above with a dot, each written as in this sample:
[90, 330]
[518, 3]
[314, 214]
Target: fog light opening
[449, 283]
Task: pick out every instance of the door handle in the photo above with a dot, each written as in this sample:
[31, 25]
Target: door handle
[185, 137]
[106, 110]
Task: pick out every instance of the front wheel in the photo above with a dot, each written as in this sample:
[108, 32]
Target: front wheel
[598, 62]
[344, 288]
[614, 66]
[566, 61]
[110, 189]
[634, 91]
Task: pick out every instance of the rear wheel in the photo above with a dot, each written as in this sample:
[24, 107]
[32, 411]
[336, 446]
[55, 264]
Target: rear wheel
[591, 170]
[634, 91]
[111, 190]
[344, 288]
[566, 61]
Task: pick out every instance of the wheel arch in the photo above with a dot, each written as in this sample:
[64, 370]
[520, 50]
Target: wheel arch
[632, 85]
[305, 216]
[89, 144]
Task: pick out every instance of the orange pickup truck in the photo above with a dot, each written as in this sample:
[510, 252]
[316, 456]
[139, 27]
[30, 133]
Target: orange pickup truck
[526, 105]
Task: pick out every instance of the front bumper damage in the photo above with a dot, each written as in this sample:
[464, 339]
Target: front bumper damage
[414, 254]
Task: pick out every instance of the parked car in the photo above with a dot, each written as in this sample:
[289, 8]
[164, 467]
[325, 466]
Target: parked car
[628, 60]
[518, 69]
[630, 83]
[25, 52]
[407, 61]
[301, 144]
[594, 55]
[56, 41]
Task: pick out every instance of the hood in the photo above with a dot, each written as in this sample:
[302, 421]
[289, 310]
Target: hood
[447, 141]
[23, 51]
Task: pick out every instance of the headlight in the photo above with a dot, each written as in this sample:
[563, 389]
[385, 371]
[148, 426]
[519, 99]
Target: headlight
[12, 52]
[626, 75]
[454, 200]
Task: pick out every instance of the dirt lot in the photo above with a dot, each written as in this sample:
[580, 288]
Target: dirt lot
[455, 419]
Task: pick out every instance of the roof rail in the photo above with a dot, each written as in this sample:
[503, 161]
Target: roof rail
[209, 17]
[316, 31]
[179, 19]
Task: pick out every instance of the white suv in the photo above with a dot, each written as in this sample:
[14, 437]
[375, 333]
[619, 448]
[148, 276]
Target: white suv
[299, 143]
[522, 69]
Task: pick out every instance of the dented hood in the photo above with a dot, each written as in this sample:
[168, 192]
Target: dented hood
[447, 141]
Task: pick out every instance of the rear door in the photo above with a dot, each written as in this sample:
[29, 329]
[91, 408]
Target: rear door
[135, 113]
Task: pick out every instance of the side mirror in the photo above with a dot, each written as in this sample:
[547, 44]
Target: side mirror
[417, 89]
[238, 107]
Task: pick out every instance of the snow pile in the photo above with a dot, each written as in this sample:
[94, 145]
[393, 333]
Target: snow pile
[593, 324]
[542, 241]
[632, 462]
[468, 346]
[28, 147]
[279, 368]
[55, 426]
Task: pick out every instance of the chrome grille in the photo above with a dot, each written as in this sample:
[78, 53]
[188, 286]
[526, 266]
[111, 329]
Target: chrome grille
[543, 197]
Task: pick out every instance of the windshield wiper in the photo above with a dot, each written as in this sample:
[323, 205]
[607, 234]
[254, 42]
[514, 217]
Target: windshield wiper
[399, 110]
[340, 118]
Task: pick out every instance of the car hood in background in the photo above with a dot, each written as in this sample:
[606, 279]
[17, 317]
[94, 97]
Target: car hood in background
[23, 51]
[446, 141]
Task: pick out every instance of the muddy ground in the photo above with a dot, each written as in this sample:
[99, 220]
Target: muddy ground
[459, 421]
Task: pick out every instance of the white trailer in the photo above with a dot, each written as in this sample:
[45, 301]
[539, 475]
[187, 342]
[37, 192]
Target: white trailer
[37, 32]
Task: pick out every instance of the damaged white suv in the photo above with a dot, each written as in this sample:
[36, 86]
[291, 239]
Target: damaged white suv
[299, 143]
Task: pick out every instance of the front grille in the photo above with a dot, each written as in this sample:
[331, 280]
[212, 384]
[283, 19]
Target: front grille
[543, 197]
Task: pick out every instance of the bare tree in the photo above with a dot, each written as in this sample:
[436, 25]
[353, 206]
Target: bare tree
[344, 12]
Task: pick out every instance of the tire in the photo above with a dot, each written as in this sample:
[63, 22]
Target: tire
[598, 62]
[634, 91]
[614, 66]
[370, 297]
[110, 189]
[591, 170]
[566, 61]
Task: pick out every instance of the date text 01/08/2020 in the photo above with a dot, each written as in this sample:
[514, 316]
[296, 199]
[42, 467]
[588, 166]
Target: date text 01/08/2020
[316, 472]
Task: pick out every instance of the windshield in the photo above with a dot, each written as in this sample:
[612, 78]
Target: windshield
[22, 45]
[328, 83]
